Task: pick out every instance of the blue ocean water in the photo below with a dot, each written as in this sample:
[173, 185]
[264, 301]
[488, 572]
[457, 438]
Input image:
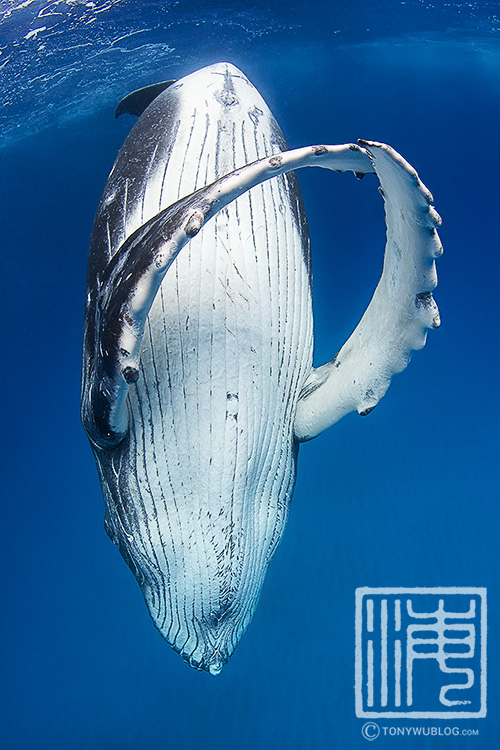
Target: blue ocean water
[407, 497]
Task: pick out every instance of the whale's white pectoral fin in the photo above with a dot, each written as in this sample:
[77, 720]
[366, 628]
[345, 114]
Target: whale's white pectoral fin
[401, 311]
[394, 324]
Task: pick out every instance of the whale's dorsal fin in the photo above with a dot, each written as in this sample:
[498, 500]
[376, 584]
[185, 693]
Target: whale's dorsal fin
[401, 310]
[136, 102]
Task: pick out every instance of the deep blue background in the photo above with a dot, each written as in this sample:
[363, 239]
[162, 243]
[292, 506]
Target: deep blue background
[406, 497]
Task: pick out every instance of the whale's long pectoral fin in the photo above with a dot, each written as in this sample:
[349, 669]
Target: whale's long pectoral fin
[401, 311]
[119, 303]
[393, 325]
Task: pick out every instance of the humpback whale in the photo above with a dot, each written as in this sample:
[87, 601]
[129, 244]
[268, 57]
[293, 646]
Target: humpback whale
[198, 381]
